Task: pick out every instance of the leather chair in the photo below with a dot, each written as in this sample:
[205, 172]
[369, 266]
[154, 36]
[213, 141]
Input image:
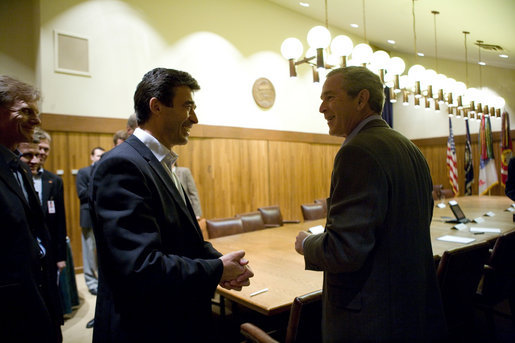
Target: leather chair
[312, 211]
[324, 204]
[272, 216]
[224, 227]
[252, 221]
[304, 323]
[498, 281]
[458, 273]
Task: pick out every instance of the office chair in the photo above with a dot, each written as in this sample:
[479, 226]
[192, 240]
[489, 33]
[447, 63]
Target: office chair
[498, 280]
[272, 216]
[312, 211]
[224, 227]
[252, 221]
[458, 274]
[304, 323]
[323, 202]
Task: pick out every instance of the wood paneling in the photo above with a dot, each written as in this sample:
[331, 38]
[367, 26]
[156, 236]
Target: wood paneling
[236, 170]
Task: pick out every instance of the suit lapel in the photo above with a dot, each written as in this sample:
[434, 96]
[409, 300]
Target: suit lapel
[158, 168]
[7, 176]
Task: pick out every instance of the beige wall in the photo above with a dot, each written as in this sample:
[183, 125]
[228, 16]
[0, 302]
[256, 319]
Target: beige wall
[225, 44]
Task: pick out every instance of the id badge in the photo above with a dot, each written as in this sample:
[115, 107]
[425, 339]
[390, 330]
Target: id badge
[51, 206]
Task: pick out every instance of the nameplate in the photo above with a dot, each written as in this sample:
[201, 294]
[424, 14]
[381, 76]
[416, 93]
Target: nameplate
[489, 214]
[316, 229]
[440, 205]
[460, 227]
[478, 220]
[510, 209]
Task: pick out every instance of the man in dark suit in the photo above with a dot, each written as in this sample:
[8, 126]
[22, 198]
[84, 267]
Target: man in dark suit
[156, 273]
[379, 276]
[89, 257]
[29, 300]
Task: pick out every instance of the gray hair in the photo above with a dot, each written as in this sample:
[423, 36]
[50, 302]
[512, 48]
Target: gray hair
[356, 79]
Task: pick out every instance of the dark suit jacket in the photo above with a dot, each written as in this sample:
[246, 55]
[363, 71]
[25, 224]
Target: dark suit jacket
[82, 183]
[29, 300]
[379, 276]
[52, 190]
[156, 273]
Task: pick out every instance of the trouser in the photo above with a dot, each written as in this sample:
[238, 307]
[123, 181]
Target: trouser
[89, 258]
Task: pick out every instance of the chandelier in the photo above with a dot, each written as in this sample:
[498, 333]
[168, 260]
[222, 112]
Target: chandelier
[428, 86]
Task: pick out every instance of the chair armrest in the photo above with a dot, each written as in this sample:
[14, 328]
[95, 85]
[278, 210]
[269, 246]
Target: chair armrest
[255, 334]
[291, 221]
[272, 225]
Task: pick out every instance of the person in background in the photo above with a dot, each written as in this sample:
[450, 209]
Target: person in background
[119, 137]
[132, 124]
[379, 276]
[188, 184]
[157, 274]
[88, 239]
[29, 300]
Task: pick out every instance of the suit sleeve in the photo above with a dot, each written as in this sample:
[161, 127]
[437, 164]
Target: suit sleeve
[357, 209]
[510, 182]
[126, 207]
[82, 182]
[61, 220]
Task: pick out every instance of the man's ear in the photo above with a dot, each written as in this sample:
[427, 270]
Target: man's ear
[155, 105]
[363, 97]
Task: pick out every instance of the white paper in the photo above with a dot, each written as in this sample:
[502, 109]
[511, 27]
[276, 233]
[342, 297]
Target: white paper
[456, 239]
[316, 229]
[478, 220]
[485, 229]
[510, 209]
[489, 214]
[441, 205]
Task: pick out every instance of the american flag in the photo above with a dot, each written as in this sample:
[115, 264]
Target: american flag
[452, 163]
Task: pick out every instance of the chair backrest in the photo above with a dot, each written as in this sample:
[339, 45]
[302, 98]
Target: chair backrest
[323, 202]
[499, 277]
[458, 274]
[224, 227]
[312, 211]
[305, 323]
[437, 192]
[252, 221]
[271, 215]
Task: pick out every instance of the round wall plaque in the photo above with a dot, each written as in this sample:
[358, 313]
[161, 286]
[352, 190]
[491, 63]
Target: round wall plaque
[263, 92]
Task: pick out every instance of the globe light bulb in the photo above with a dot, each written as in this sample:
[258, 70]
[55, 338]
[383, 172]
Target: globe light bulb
[319, 37]
[396, 66]
[362, 53]
[341, 46]
[291, 48]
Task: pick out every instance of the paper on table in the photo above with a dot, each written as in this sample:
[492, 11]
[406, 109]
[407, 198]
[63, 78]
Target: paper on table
[456, 239]
[485, 229]
[316, 229]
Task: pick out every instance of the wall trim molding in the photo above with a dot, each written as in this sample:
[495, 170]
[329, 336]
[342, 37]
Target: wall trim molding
[72, 123]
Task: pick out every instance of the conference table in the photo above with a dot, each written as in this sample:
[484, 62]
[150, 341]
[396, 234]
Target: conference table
[279, 269]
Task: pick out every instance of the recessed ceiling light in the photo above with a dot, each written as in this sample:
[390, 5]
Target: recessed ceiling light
[481, 63]
[391, 41]
[503, 56]
[354, 25]
[304, 4]
[420, 54]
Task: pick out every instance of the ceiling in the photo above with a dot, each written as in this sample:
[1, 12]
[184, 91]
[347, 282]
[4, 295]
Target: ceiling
[491, 21]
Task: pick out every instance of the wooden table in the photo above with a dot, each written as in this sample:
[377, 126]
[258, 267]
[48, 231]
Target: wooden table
[278, 267]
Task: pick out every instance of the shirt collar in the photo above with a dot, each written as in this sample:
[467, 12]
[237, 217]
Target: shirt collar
[159, 150]
[358, 128]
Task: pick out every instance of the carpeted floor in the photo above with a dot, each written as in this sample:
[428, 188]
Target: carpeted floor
[74, 328]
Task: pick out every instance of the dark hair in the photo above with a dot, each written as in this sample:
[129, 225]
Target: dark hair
[357, 78]
[96, 148]
[12, 90]
[160, 83]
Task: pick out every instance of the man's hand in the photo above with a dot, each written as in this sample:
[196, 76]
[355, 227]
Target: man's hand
[298, 241]
[61, 265]
[236, 272]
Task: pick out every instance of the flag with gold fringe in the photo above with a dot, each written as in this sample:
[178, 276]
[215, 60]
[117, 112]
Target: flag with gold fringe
[506, 148]
[487, 171]
[452, 163]
[469, 167]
